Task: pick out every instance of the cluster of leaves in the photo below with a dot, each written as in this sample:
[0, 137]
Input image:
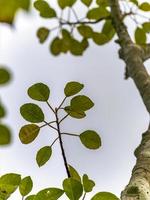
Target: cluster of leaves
[5, 134]
[65, 41]
[9, 8]
[79, 104]
[74, 188]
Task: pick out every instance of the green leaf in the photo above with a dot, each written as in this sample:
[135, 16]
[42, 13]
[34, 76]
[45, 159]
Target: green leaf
[103, 3]
[145, 6]
[49, 194]
[2, 111]
[108, 30]
[25, 186]
[72, 188]
[4, 75]
[78, 114]
[100, 38]
[28, 133]
[5, 135]
[104, 196]
[98, 13]
[31, 197]
[84, 43]
[55, 46]
[43, 155]
[45, 10]
[74, 174]
[72, 88]
[76, 47]
[81, 103]
[42, 34]
[87, 183]
[134, 2]
[39, 92]
[90, 139]
[66, 3]
[9, 8]
[140, 36]
[146, 27]
[85, 31]
[9, 182]
[87, 2]
[32, 113]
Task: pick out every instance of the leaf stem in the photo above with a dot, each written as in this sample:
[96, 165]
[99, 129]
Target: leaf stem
[61, 103]
[63, 118]
[46, 123]
[50, 107]
[70, 134]
[61, 144]
[84, 196]
[54, 141]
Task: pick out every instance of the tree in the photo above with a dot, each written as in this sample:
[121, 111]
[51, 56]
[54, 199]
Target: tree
[112, 15]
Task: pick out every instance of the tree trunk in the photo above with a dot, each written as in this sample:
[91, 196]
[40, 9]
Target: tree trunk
[134, 56]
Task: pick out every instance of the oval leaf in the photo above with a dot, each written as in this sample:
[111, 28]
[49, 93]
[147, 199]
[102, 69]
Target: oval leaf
[32, 113]
[43, 155]
[81, 103]
[74, 113]
[90, 139]
[2, 111]
[85, 31]
[31, 197]
[43, 34]
[72, 188]
[25, 186]
[49, 194]
[4, 76]
[28, 133]
[39, 92]
[98, 13]
[73, 88]
[140, 36]
[104, 196]
[5, 135]
[74, 174]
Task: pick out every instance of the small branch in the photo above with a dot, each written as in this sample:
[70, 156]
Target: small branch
[50, 107]
[63, 118]
[84, 196]
[75, 14]
[46, 123]
[61, 103]
[84, 22]
[70, 134]
[61, 144]
[54, 141]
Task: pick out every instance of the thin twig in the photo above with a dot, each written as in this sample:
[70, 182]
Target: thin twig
[63, 118]
[54, 141]
[46, 123]
[70, 134]
[50, 106]
[84, 196]
[61, 103]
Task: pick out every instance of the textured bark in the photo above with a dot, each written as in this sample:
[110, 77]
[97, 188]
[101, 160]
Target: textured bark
[134, 56]
[146, 49]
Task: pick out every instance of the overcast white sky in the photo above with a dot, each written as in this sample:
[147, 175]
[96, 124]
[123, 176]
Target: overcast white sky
[118, 116]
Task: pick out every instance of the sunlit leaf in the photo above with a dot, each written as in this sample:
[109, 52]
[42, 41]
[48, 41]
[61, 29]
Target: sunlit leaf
[32, 113]
[4, 75]
[85, 31]
[81, 103]
[98, 13]
[30, 197]
[49, 194]
[45, 10]
[5, 135]
[140, 36]
[43, 155]
[25, 186]
[74, 174]
[90, 139]
[87, 2]
[104, 196]
[87, 183]
[75, 113]
[42, 34]
[73, 188]
[72, 88]
[39, 92]
[9, 8]
[145, 6]
[28, 133]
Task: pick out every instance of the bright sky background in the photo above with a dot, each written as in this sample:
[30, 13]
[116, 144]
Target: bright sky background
[118, 116]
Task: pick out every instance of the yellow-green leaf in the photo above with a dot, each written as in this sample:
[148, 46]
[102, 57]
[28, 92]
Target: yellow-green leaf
[85, 31]
[81, 103]
[5, 135]
[25, 186]
[87, 2]
[104, 196]
[98, 13]
[87, 183]
[140, 36]
[74, 174]
[42, 34]
[145, 6]
[43, 155]
[49, 194]
[72, 88]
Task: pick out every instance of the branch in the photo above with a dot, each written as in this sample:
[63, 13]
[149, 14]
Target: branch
[146, 52]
